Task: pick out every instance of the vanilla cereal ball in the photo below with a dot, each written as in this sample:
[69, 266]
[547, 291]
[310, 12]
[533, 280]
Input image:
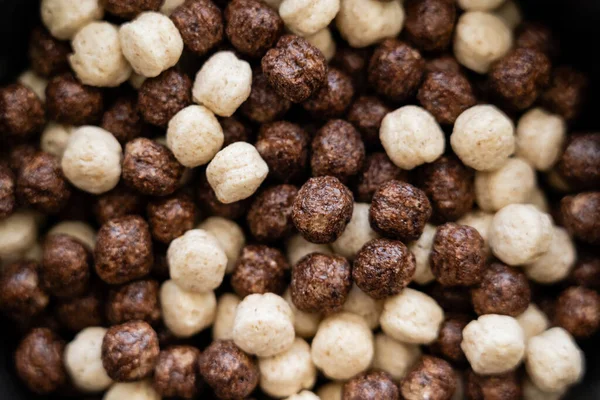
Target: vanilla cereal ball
[263, 325]
[510, 14]
[481, 39]
[236, 172]
[365, 22]
[35, 83]
[305, 324]
[331, 391]
[343, 346]
[141, 390]
[533, 321]
[482, 221]
[297, 247]
[323, 41]
[18, 233]
[394, 357]
[493, 344]
[512, 183]
[532, 392]
[520, 234]
[223, 83]
[540, 138]
[54, 138]
[554, 361]
[151, 43]
[83, 361]
[303, 395]
[229, 235]
[356, 234]
[186, 313]
[77, 229]
[537, 197]
[421, 248]
[306, 17]
[194, 135]
[92, 160]
[479, 5]
[170, 5]
[64, 18]
[483, 138]
[359, 303]
[554, 265]
[411, 137]
[226, 308]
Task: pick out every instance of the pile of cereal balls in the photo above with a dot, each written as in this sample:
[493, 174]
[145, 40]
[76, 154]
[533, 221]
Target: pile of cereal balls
[300, 199]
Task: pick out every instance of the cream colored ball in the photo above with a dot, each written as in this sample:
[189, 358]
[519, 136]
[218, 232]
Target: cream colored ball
[80, 230]
[394, 357]
[323, 41]
[556, 264]
[421, 248]
[307, 17]
[297, 248]
[363, 23]
[83, 361]
[54, 138]
[359, 303]
[479, 5]
[305, 324]
[540, 138]
[186, 313]
[18, 233]
[64, 18]
[141, 390]
[482, 221]
[303, 395]
[170, 5]
[532, 392]
[512, 183]
[537, 198]
[533, 321]
[35, 83]
[331, 391]
[510, 13]
[226, 308]
[356, 234]
[229, 235]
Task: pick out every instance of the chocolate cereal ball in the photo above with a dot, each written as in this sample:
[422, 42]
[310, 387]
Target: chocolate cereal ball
[259, 269]
[452, 298]
[118, 202]
[270, 215]
[502, 290]
[586, 271]
[447, 344]
[566, 93]
[7, 191]
[123, 120]
[443, 63]
[580, 216]
[77, 313]
[48, 56]
[170, 217]
[377, 170]
[208, 200]
[578, 311]
[580, 161]
[376, 385]
[21, 294]
[134, 301]
[21, 111]
[177, 372]
[432, 378]
[429, 23]
[20, 155]
[200, 24]
[446, 94]
[366, 114]
[492, 387]
[533, 35]
[264, 104]
[234, 130]
[130, 8]
[65, 267]
[160, 98]
[333, 98]
[70, 102]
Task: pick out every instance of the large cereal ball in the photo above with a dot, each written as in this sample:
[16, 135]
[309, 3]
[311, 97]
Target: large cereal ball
[172, 216]
[363, 23]
[377, 170]
[429, 24]
[411, 136]
[222, 328]
[306, 17]
[134, 301]
[229, 371]
[123, 120]
[186, 313]
[295, 68]
[177, 372]
[533, 321]
[580, 161]
[212, 205]
[333, 98]
[48, 56]
[578, 311]
[264, 104]
[502, 290]
[83, 361]
[116, 203]
[366, 114]
[270, 215]
[394, 357]
[323, 40]
[7, 192]
[70, 102]
[163, 96]
[421, 248]
[229, 235]
[305, 324]
[21, 293]
[200, 23]
[21, 111]
[432, 378]
[65, 267]
[357, 233]
[512, 183]
[363, 305]
[370, 386]
[138, 390]
[252, 26]
[540, 138]
[447, 345]
[506, 386]
[580, 216]
[259, 269]
[123, 250]
[130, 8]
[284, 147]
[566, 93]
[63, 18]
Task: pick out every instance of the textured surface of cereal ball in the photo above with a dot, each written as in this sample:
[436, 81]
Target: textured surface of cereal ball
[130, 8]
[323, 40]
[357, 233]
[443, 63]
[366, 22]
[186, 313]
[65, 267]
[446, 94]
[222, 328]
[580, 162]
[21, 291]
[21, 111]
[264, 104]
[252, 26]
[229, 235]
[123, 120]
[82, 312]
[366, 114]
[7, 192]
[54, 138]
[20, 154]
[506, 386]
[377, 170]
[580, 216]
[447, 345]
[116, 203]
[160, 98]
[200, 24]
[210, 203]
[306, 17]
[83, 361]
[557, 262]
[284, 147]
[372, 385]
[502, 290]
[395, 358]
[270, 215]
[77, 229]
[533, 321]
[295, 68]
[48, 56]
[363, 305]
[259, 269]
[297, 247]
[139, 390]
[578, 311]
[176, 373]
[512, 183]
[493, 344]
[333, 98]
[353, 62]
[540, 138]
[134, 301]
[63, 20]
[229, 371]
[70, 102]
[170, 217]
[480, 220]
[429, 24]
[421, 249]
[566, 93]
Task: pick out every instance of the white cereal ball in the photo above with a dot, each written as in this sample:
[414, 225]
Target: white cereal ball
[223, 83]
[323, 41]
[412, 317]
[83, 360]
[263, 325]
[92, 160]
[343, 346]
[537, 198]
[229, 235]
[34, 82]
[289, 372]
[512, 183]
[356, 234]
[18, 232]
[533, 321]
[226, 308]
[306, 17]
[510, 13]
[481, 39]
[411, 137]
[78, 229]
[236, 172]
[554, 361]
[194, 135]
[331, 391]
[170, 5]
[365, 22]
[520, 234]
[141, 390]
[395, 358]
[151, 43]
[297, 247]
[303, 395]
[359, 303]
[421, 248]
[479, 5]
[557, 262]
[54, 138]
[532, 392]
[540, 138]
[483, 137]
[482, 221]
[64, 18]
[305, 324]
[196, 261]
[186, 313]
[493, 344]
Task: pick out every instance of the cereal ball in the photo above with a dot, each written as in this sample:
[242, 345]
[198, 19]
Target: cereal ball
[210, 203]
[77, 229]
[229, 235]
[432, 378]
[236, 172]
[580, 216]
[252, 26]
[452, 298]
[446, 94]
[70, 102]
[421, 249]
[18, 232]
[264, 104]
[493, 344]
[123, 120]
[557, 262]
[580, 162]
[139, 390]
[35, 83]
[506, 386]
[297, 247]
[305, 324]
[134, 301]
[161, 98]
[7, 192]
[170, 217]
[538, 198]
[366, 114]
[259, 269]
[586, 271]
[566, 93]
[331, 391]
[83, 361]
[263, 325]
[20, 154]
[363, 23]
[65, 267]
[130, 8]
[294, 67]
[186, 313]
[429, 24]
[284, 147]
[222, 328]
[119, 202]
[377, 170]
[443, 63]
[479, 5]
[323, 40]
[48, 56]
[399, 211]
[578, 311]
[532, 392]
[363, 305]
[482, 221]
[540, 138]
[534, 35]
[21, 111]
[176, 373]
[372, 385]
[38, 361]
[303, 395]
[306, 17]
[395, 358]
[554, 361]
[21, 293]
[353, 62]
[481, 39]
[54, 139]
[533, 321]
[270, 216]
[343, 346]
[63, 18]
[395, 70]
[502, 290]
[357, 233]
[235, 130]
[333, 98]
[229, 371]
[76, 314]
[447, 345]
[200, 24]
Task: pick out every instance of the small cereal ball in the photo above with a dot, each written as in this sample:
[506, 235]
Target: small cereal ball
[506, 386]
[21, 293]
[482, 221]
[229, 235]
[540, 138]
[39, 361]
[333, 98]
[502, 290]
[83, 361]
[130, 8]
[442, 63]
[399, 211]
[63, 18]
[230, 372]
[70, 102]
[77, 229]
[395, 358]
[586, 271]
[223, 83]
[270, 215]
[196, 261]
[429, 24]
[421, 249]
[366, 114]
[432, 378]
[446, 94]
[306, 17]
[452, 298]
[162, 97]
[305, 324]
[411, 317]
[264, 104]
[512, 183]
[294, 67]
[186, 313]
[177, 372]
[532, 392]
[323, 40]
[331, 391]
[483, 138]
[377, 170]
[123, 120]
[480, 40]
[448, 342]
[134, 301]
[54, 139]
[554, 265]
[580, 216]
[297, 247]
[578, 311]
[18, 232]
[357, 233]
[200, 24]
[493, 344]
[363, 23]
[76, 314]
[222, 328]
[567, 92]
[35, 83]
[411, 137]
[373, 385]
[170, 217]
[139, 390]
[361, 304]
[259, 269]
[252, 26]
[235, 130]
[208, 200]
[151, 43]
[554, 361]
[119, 202]
[236, 172]
[538, 198]
[21, 111]
[20, 154]
[533, 321]
[520, 234]
[65, 267]
[7, 192]
[580, 162]
[534, 35]
[48, 56]
[479, 5]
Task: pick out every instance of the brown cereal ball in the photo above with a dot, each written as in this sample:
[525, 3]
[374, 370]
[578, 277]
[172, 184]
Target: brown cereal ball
[295, 68]
[130, 351]
[21, 111]
[399, 211]
[70, 102]
[118, 202]
[208, 200]
[322, 209]
[7, 191]
[586, 271]
[200, 24]
[366, 114]
[395, 70]
[383, 267]
[123, 120]
[264, 104]
[377, 170]
[123, 250]
[377, 385]
[580, 162]
[21, 294]
[566, 93]
[580, 216]
[20, 155]
[578, 311]
[492, 387]
[333, 98]
[444, 63]
[321, 283]
[170, 217]
[432, 378]
[230, 372]
[76, 314]
[130, 8]
[259, 269]
[234, 130]
[429, 23]
[353, 62]
[503, 290]
[160, 98]
[270, 215]
[533, 35]
[452, 298]
[134, 301]
[177, 372]
[252, 26]
[447, 344]
[65, 267]
[39, 361]
[446, 94]
[48, 56]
